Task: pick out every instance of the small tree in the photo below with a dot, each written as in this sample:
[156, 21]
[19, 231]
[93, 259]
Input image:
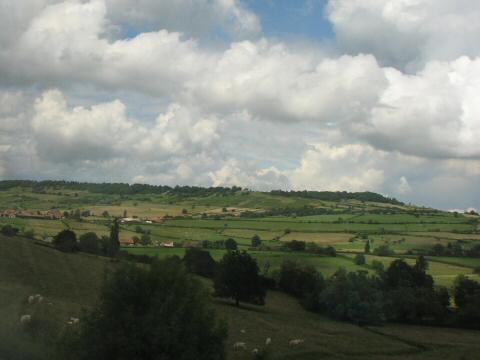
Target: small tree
[66, 240]
[238, 278]
[230, 244]
[155, 312]
[367, 247]
[90, 243]
[199, 262]
[114, 240]
[145, 239]
[359, 259]
[256, 241]
[9, 230]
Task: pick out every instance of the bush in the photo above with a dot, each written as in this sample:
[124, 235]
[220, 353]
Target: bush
[199, 262]
[89, 243]
[354, 297]
[383, 250]
[303, 282]
[66, 241]
[295, 245]
[256, 241]
[9, 230]
[238, 278]
[230, 244]
[156, 312]
[359, 259]
[377, 266]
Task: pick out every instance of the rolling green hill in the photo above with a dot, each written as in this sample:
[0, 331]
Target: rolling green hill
[71, 282]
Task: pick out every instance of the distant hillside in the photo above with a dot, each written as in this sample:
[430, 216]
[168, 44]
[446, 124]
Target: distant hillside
[189, 191]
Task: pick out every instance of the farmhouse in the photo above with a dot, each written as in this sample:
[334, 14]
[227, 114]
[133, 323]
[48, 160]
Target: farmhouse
[127, 242]
[168, 244]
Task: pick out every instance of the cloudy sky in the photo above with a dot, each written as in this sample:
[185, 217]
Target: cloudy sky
[379, 95]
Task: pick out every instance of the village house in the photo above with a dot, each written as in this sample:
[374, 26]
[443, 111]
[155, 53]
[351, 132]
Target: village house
[127, 242]
[168, 244]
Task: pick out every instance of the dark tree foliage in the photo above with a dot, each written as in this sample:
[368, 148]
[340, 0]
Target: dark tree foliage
[156, 312]
[9, 230]
[256, 241]
[303, 282]
[295, 245]
[238, 278]
[199, 262]
[383, 250]
[467, 299]
[367, 247]
[359, 259]
[113, 244]
[89, 242]
[66, 241]
[230, 244]
[410, 294]
[354, 297]
[338, 195]
[121, 188]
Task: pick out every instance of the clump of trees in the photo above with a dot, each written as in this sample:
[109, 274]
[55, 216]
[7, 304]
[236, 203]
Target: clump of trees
[237, 277]
[401, 293]
[9, 230]
[199, 262]
[156, 312]
[66, 241]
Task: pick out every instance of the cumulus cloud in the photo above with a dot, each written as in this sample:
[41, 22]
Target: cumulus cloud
[105, 131]
[195, 18]
[336, 168]
[407, 33]
[249, 175]
[256, 112]
[404, 186]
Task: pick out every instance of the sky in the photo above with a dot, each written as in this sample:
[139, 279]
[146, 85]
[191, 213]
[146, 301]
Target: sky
[355, 95]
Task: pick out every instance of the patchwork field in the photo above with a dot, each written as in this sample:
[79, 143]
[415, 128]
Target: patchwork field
[71, 282]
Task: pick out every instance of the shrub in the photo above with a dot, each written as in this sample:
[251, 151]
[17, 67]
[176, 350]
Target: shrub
[89, 242]
[199, 262]
[383, 250]
[156, 312]
[359, 259]
[238, 278]
[9, 230]
[66, 241]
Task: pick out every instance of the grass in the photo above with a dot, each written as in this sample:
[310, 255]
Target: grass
[71, 281]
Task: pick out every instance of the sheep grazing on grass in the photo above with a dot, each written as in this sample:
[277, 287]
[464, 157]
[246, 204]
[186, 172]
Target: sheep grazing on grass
[239, 346]
[73, 321]
[37, 298]
[268, 341]
[242, 331]
[25, 319]
[255, 352]
[295, 342]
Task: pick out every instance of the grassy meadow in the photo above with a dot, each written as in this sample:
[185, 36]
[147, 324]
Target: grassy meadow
[71, 281]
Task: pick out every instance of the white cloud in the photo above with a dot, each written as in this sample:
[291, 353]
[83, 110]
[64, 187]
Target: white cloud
[339, 168]
[192, 17]
[404, 186]
[105, 131]
[248, 175]
[407, 33]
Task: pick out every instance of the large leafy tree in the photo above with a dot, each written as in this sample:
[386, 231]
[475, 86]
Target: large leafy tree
[149, 313]
[89, 242]
[66, 240]
[238, 278]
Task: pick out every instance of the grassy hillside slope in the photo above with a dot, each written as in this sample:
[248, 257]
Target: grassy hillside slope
[71, 281]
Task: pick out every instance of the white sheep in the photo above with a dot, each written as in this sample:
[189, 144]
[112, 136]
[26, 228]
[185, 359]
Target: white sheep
[255, 352]
[25, 319]
[295, 342]
[239, 346]
[74, 320]
[268, 341]
[31, 299]
[242, 331]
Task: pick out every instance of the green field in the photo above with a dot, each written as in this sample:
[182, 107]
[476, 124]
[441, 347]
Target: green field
[71, 282]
